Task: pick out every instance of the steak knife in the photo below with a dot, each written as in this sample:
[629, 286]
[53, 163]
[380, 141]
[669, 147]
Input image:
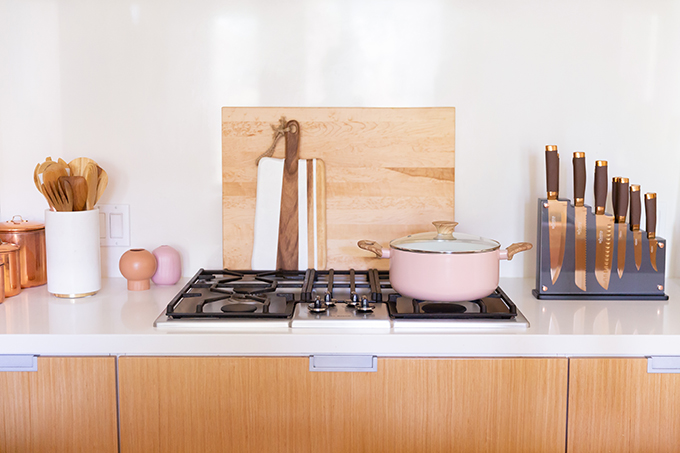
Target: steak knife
[650, 218]
[604, 227]
[620, 218]
[557, 212]
[635, 214]
[580, 219]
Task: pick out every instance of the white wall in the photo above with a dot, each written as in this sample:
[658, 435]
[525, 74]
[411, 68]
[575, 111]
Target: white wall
[138, 87]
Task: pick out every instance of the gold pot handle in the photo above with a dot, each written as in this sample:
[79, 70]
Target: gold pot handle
[371, 246]
[518, 247]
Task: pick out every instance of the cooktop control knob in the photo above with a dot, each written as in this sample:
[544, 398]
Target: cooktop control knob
[328, 299]
[364, 306]
[353, 300]
[318, 306]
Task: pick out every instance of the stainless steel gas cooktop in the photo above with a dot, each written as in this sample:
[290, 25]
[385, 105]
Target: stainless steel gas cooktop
[330, 299]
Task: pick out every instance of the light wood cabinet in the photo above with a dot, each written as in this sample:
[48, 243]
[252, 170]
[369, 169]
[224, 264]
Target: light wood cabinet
[68, 405]
[219, 404]
[615, 405]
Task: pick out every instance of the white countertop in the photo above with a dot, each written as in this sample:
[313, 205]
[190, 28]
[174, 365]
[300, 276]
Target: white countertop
[120, 322]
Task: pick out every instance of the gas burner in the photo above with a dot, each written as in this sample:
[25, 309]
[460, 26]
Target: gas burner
[494, 306]
[239, 308]
[440, 307]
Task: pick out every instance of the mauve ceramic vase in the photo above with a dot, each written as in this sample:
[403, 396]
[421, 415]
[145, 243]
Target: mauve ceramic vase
[169, 268]
[138, 266]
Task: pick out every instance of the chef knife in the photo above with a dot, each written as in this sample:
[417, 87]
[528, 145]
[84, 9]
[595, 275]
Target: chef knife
[620, 218]
[557, 212]
[650, 218]
[580, 219]
[635, 214]
[604, 227]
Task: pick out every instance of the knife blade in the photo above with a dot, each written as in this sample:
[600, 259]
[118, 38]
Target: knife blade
[580, 219]
[650, 218]
[557, 212]
[620, 218]
[635, 214]
[604, 227]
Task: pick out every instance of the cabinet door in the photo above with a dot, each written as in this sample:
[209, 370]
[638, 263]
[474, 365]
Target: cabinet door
[615, 405]
[185, 404]
[68, 405]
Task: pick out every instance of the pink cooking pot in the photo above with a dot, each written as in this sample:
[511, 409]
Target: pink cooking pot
[444, 266]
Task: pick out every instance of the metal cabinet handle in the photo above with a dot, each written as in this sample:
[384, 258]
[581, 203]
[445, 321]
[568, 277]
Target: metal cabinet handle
[351, 363]
[18, 363]
[663, 364]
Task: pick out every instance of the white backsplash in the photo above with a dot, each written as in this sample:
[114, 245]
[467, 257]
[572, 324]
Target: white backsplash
[138, 86]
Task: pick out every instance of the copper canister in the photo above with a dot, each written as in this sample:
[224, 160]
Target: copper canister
[30, 237]
[9, 256]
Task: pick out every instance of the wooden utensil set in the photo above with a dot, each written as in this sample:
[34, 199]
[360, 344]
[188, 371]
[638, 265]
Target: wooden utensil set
[76, 186]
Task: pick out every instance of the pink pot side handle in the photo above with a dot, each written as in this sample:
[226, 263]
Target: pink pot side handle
[374, 247]
[515, 248]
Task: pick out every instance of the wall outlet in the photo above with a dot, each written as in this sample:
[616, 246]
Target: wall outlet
[114, 225]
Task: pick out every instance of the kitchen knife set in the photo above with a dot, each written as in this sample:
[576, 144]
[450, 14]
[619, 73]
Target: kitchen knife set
[578, 247]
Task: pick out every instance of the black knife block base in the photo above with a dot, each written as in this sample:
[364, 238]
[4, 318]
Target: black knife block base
[643, 284]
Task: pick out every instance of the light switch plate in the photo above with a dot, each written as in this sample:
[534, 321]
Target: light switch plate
[114, 225]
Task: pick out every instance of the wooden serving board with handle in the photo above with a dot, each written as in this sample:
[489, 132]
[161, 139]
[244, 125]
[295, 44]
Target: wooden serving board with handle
[389, 173]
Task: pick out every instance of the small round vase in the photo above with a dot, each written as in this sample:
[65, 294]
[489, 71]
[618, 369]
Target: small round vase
[169, 268]
[138, 266]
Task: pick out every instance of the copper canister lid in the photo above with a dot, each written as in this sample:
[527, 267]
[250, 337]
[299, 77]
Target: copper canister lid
[18, 224]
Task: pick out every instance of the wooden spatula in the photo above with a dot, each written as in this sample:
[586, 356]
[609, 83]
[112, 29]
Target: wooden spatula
[79, 190]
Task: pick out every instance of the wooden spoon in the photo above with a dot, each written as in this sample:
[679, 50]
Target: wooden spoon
[102, 182]
[54, 171]
[78, 187]
[79, 165]
[91, 176]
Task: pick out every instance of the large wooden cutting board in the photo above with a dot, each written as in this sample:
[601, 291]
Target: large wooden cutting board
[389, 173]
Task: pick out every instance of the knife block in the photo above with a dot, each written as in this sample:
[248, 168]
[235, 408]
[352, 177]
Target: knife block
[643, 284]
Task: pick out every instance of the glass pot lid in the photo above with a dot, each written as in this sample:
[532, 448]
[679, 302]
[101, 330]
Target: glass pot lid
[444, 240]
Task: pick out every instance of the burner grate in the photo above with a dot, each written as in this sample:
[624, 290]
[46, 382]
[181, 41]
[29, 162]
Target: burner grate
[494, 306]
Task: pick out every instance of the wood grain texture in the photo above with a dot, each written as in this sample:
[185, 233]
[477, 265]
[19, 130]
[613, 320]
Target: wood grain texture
[68, 405]
[211, 404]
[615, 405]
[389, 172]
[287, 253]
[321, 242]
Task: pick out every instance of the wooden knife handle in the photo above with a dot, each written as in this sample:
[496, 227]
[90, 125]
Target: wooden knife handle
[600, 186]
[650, 214]
[621, 201]
[615, 194]
[287, 252]
[552, 171]
[579, 162]
[635, 207]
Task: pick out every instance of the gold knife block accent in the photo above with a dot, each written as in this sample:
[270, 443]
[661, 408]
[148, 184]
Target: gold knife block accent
[643, 284]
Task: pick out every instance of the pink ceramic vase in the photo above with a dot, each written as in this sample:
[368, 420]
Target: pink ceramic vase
[138, 266]
[169, 268]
